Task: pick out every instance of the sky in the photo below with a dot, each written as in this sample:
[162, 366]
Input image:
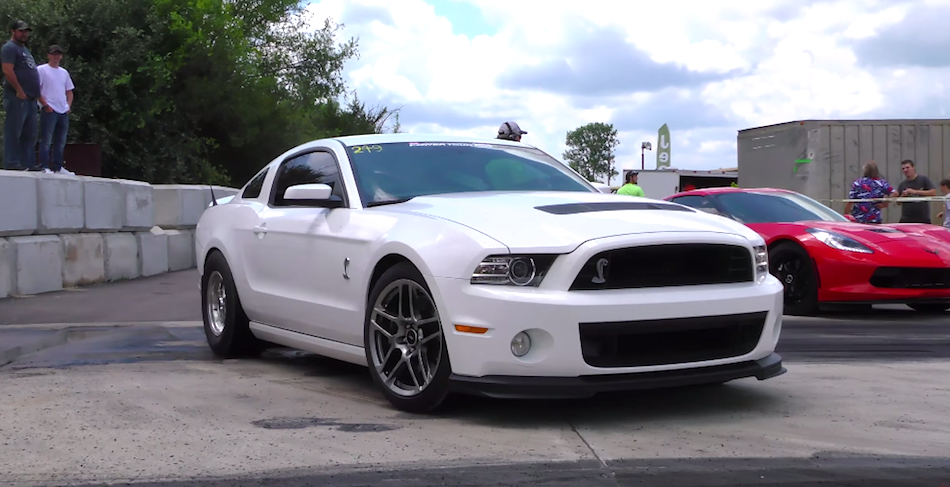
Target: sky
[706, 68]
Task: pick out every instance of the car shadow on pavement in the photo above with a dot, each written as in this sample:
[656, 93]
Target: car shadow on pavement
[865, 313]
[706, 402]
[712, 401]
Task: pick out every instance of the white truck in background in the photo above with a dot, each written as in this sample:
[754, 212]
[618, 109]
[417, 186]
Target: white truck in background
[660, 183]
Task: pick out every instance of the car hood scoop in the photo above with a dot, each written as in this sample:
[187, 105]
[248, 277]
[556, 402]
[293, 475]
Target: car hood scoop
[574, 208]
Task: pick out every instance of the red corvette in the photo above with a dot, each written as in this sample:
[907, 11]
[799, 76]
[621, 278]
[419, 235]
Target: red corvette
[824, 257]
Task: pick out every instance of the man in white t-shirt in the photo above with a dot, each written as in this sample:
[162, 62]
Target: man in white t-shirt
[945, 213]
[56, 100]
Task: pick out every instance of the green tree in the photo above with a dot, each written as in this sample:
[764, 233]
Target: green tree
[591, 151]
[197, 91]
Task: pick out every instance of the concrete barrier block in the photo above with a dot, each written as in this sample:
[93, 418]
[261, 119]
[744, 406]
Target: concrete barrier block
[104, 204]
[139, 206]
[83, 262]
[179, 206]
[181, 249]
[60, 204]
[7, 268]
[153, 252]
[18, 211]
[167, 205]
[39, 263]
[120, 256]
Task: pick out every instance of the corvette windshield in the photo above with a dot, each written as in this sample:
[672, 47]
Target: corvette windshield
[760, 207]
[394, 172]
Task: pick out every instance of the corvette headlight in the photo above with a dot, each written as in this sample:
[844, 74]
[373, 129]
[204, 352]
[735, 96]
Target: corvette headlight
[839, 242]
[761, 262]
[518, 270]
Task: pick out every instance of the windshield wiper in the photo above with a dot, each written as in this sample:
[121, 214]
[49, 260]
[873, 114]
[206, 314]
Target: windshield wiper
[388, 202]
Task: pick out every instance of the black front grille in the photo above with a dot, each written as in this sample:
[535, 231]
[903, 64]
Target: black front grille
[911, 277]
[666, 265]
[670, 341]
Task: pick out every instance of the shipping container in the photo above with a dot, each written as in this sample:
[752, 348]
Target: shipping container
[821, 158]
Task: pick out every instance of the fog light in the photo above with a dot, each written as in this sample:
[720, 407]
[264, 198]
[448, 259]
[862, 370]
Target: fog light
[520, 344]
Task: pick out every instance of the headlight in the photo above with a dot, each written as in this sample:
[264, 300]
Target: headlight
[519, 270]
[761, 262]
[839, 242]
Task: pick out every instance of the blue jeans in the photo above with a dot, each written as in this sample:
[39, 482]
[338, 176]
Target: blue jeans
[19, 132]
[53, 128]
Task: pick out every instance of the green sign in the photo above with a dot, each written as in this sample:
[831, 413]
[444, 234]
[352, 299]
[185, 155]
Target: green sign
[663, 147]
[799, 162]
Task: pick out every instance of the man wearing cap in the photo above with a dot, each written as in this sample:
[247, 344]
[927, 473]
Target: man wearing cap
[510, 131]
[21, 89]
[631, 188]
[56, 100]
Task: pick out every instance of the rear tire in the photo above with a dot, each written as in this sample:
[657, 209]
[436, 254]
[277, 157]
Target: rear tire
[227, 328]
[404, 341]
[792, 265]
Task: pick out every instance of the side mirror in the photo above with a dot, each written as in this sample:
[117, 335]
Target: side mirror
[312, 194]
[308, 192]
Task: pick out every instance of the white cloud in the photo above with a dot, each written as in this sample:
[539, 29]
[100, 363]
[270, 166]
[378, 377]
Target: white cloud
[720, 66]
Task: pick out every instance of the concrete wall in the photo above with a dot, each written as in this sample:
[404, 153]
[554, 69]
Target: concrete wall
[838, 150]
[59, 231]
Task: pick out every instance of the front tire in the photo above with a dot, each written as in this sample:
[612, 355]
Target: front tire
[404, 342]
[792, 265]
[227, 328]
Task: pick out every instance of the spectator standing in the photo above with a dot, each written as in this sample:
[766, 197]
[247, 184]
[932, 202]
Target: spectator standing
[869, 186]
[56, 100]
[21, 89]
[630, 187]
[915, 185]
[945, 212]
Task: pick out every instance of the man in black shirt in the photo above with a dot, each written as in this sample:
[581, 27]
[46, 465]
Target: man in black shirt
[915, 185]
[21, 89]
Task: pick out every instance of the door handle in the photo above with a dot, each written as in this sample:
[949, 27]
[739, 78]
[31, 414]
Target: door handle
[260, 229]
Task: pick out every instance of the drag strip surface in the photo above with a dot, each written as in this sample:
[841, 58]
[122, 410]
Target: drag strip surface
[93, 403]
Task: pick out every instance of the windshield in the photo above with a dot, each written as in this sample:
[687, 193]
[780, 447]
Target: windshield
[753, 207]
[398, 171]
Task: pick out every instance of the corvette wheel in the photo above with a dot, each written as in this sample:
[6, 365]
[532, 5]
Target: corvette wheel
[790, 264]
[930, 307]
[405, 347]
[226, 326]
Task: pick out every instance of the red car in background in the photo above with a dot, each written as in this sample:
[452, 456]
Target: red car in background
[824, 257]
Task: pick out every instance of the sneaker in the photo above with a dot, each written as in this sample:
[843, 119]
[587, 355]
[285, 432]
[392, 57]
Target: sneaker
[47, 171]
[63, 170]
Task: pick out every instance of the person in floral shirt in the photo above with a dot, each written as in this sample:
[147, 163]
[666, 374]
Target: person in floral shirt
[870, 185]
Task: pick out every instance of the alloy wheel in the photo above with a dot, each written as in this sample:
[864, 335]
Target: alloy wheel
[405, 338]
[216, 302]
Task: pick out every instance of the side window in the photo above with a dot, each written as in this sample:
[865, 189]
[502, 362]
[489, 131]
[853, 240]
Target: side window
[700, 203]
[314, 167]
[690, 201]
[253, 188]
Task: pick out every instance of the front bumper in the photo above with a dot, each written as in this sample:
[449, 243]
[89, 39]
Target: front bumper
[852, 281]
[569, 330]
[513, 387]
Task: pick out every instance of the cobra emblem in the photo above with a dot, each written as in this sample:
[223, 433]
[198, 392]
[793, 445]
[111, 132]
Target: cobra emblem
[599, 278]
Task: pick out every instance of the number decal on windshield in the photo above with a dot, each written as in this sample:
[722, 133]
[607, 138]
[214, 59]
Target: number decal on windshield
[367, 148]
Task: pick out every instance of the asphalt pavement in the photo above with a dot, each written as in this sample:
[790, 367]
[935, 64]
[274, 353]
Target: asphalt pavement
[172, 296]
[118, 386]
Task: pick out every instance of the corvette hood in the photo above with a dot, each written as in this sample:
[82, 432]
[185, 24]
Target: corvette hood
[559, 222]
[906, 240]
[887, 235]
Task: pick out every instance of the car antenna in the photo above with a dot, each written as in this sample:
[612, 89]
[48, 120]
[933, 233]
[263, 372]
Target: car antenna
[214, 201]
